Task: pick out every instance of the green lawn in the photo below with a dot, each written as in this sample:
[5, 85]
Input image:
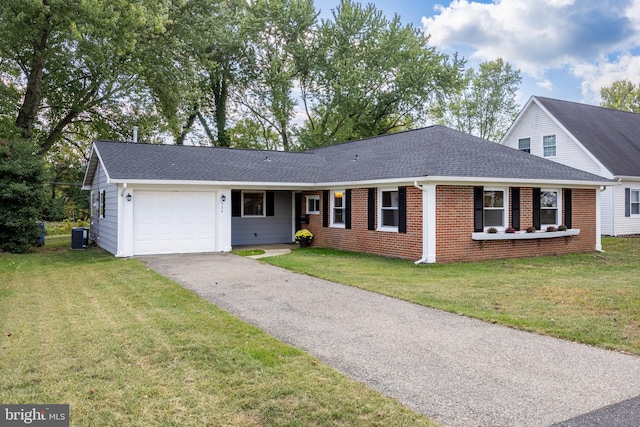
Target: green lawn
[126, 347]
[591, 298]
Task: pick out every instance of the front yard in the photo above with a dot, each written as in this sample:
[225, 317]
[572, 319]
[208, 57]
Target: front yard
[590, 298]
[126, 347]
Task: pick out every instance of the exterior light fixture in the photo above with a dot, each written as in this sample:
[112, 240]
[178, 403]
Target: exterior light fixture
[223, 198]
[128, 197]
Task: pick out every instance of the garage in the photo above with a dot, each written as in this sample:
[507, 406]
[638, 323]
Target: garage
[169, 222]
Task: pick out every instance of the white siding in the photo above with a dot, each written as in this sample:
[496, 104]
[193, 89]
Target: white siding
[625, 225]
[536, 124]
[105, 230]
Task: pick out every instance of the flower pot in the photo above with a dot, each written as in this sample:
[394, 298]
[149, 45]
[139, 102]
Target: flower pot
[304, 243]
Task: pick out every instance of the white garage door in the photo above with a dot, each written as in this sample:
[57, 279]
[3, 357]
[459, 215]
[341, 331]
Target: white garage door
[173, 222]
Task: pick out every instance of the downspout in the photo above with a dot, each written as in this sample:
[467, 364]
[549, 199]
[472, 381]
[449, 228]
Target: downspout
[425, 233]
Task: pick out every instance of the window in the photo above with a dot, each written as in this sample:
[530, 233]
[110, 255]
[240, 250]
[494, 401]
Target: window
[549, 146]
[494, 211]
[524, 144]
[313, 204]
[93, 204]
[389, 209]
[635, 202]
[253, 203]
[337, 208]
[548, 208]
[102, 204]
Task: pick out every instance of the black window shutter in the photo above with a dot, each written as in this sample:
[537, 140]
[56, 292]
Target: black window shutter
[567, 208]
[402, 209]
[325, 208]
[478, 209]
[515, 207]
[347, 209]
[371, 209]
[536, 208]
[627, 202]
[298, 210]
[271, 201]
[236, 203]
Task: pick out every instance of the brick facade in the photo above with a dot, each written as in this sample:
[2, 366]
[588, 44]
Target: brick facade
[454, 218]
[454, 225]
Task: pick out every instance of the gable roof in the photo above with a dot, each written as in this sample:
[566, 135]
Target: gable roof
[612, 136]
[434, 151]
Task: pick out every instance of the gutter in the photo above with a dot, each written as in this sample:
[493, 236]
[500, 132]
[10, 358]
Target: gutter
[423, 260]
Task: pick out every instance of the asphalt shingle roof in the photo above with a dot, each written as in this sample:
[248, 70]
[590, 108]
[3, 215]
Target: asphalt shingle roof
[612, 136]
[430, 151]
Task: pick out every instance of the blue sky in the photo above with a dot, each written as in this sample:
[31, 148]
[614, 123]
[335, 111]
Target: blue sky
[565, 49]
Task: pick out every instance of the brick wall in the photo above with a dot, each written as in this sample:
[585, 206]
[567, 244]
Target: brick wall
[360, 239]
[454, 217]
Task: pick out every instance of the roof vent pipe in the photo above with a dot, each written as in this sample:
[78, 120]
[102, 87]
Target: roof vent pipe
[135, 134]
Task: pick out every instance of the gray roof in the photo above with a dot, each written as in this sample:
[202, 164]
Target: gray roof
[612, 136]
[431, 151]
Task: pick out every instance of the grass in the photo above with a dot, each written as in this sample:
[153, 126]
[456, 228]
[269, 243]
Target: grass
[591, 298]
[125, 346]
[248, 252]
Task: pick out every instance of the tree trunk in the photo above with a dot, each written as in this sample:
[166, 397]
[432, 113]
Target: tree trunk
[220, 94]
[33, 94]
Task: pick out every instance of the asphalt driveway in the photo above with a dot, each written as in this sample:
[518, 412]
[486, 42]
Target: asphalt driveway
[457, 371]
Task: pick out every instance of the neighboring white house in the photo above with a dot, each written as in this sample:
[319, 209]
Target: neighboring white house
[598, 140]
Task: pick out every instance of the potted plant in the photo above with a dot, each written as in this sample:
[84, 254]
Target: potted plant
[562, 228]
[303, 237]
[551, 229]
[510, 230]
[531, 229]
[492, 230]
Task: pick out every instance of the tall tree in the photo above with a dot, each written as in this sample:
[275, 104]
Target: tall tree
[370, 76]
[486, 105]
[68, 61]
[278, 31]
[22, 177]
[621, 95]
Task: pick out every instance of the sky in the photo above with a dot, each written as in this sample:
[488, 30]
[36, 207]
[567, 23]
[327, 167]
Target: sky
[564, 49]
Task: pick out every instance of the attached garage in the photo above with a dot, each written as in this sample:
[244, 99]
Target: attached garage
[169, 222]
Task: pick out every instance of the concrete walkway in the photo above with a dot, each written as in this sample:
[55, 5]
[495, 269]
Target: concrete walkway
[455, 370]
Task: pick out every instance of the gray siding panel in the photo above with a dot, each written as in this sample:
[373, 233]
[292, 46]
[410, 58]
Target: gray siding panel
[268, 229]
[105, 230]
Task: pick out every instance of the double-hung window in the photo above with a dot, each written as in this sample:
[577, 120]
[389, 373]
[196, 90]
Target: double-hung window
[313, 204]
[549, 146]
[253, 203]
[524, 144]
[494, 202]
[388, 216]
[549, 207]
[635, 202]
[337, 208]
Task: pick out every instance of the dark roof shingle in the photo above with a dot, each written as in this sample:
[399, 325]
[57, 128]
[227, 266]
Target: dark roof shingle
[430, 151]
[612, 136]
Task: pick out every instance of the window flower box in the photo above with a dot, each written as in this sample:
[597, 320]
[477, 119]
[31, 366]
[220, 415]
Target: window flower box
[523, 235]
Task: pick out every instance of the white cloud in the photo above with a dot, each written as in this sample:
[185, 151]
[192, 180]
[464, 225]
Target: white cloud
[545, 84]
[595, 76]
[543, 35]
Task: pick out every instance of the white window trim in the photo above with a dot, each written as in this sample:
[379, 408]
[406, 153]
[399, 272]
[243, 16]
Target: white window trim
[555, 146]
[505, 208]
[520, 148]
[316, 198]
[558, 191]
[380, 226]
[631, 202]
[331, 214]
[264, 204]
